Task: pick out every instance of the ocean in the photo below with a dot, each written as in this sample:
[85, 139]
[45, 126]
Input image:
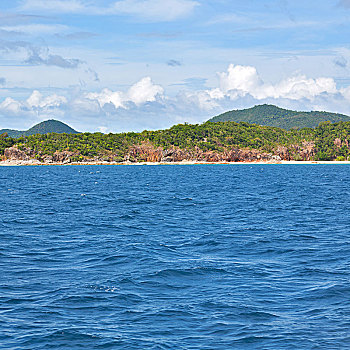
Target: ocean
[175, 257]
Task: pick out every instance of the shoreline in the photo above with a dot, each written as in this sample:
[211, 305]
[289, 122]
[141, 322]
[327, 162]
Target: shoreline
[33, 162]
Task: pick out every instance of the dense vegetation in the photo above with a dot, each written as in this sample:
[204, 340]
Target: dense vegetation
[45, 127]
[279, 117]
[331, 140]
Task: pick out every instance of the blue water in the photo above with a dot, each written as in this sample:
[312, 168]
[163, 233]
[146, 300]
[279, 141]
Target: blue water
[175, 257]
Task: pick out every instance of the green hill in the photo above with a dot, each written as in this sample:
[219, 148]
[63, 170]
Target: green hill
[271, 115]
[222, 141]
[45, 127]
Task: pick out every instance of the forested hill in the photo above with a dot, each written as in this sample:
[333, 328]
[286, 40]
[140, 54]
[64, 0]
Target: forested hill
[282, 118]
[45, 127]
[210, 142]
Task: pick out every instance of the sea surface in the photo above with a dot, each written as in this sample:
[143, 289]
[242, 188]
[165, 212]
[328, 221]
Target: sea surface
[175, 257]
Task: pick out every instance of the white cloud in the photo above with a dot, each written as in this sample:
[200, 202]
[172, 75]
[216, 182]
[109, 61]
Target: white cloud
[203, 100]
[346, 92]
[107, 96]
[240, 81]
[139, 93]
[11, 106]
[299, 87]
[85, 106]
[144, 91]
[34, 104]
[37, 100]
[243, 79]
[238, 87]
[154, 10]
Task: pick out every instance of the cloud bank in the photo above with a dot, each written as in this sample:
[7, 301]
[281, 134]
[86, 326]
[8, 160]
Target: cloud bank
[240, 81]
[146, 104]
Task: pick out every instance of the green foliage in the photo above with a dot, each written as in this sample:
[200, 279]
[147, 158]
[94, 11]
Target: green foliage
[332, 141]
[208, 137]
[279, 117]
[5, 142]
[325, 136]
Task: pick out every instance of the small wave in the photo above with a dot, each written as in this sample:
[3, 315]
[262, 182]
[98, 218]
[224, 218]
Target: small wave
[197, 271]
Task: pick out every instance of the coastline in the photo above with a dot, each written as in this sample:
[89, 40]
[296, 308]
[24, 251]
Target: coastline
[33, 162]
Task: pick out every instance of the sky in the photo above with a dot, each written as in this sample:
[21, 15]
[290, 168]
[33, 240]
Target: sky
[131, 65]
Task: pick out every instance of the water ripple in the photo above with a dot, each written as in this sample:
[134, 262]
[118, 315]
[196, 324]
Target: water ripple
[175, 257]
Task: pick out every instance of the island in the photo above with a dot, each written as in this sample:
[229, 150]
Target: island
[210, 142]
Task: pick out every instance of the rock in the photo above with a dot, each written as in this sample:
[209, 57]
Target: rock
[144, 153]
[48, 159]
[147, 153]
[63, 157]
[13, 153]
[284, 153]
[308, 151]
[296, 152]
[337, 142]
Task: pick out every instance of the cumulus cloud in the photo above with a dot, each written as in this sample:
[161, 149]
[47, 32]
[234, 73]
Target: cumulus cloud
[346, 92]
[240, 81]
[144, 91]
[94, 105]
[300, 87]
[144, 105]
[36, 103]
[198, 99]
[139, 93]
[107, 96]
[37, 100]
[10, 106]
[154, 10]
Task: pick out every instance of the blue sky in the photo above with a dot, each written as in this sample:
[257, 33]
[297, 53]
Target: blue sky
[147, 64]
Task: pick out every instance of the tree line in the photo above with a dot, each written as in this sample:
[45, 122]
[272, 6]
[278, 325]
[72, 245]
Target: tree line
[332, 140]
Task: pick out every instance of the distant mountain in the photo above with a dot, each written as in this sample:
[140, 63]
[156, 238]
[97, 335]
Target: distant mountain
[45, 127]
[282, 118]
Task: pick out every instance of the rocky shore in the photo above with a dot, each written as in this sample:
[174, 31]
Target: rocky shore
[146, 153]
